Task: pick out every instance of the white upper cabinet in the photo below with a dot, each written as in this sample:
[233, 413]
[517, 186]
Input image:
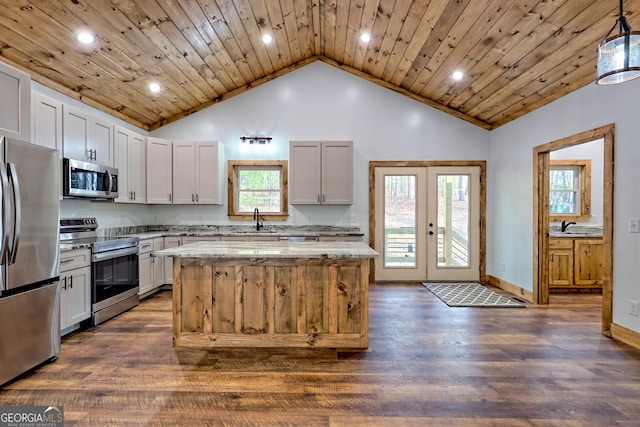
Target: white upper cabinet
[159, 171]
[86, 137]
[15, 114]
[101, 141]
[129, 159]
[197, 169]
[321, 172]
[46, 117]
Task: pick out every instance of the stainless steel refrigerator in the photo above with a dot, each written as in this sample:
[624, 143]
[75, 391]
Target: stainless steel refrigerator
[29, 257]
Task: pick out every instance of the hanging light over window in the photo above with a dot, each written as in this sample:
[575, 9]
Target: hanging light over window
[619, 55]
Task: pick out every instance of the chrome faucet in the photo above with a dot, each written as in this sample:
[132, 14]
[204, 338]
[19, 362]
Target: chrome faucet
[256, 216]
[565, 225]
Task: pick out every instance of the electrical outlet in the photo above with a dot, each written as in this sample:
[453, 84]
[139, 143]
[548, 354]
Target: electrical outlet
[633, 308]
[634, 225]
[503, 267]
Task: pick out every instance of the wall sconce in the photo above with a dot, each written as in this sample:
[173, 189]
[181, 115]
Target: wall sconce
[619, 55]
[256, 139]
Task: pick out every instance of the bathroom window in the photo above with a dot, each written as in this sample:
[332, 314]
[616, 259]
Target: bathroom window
[260, 184]
[570, 190]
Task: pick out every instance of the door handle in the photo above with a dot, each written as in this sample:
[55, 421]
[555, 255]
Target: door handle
[431, 233]
[17, 208]
[4, 245]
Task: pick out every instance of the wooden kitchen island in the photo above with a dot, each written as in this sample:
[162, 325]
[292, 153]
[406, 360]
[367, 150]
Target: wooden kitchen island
[270, 294]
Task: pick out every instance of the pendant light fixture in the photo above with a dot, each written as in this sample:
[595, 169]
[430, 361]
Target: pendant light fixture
[619, 55]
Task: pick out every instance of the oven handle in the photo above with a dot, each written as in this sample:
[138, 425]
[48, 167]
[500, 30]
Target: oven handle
[103, 256]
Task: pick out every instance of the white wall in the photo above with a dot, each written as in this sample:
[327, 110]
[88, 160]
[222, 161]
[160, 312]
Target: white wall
[510, 186]
[321, 102]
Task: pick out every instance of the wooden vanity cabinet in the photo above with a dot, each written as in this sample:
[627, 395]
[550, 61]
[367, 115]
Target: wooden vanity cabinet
[560, 262]
[575, 264]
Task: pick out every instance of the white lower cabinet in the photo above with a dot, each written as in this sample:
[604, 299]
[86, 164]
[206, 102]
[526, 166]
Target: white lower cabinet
[192, 239]
[340, 239]
[170, 242]
[249, 238]
[75, 288]
[151, 269]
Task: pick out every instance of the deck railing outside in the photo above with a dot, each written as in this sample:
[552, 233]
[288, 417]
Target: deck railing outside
[400, 249]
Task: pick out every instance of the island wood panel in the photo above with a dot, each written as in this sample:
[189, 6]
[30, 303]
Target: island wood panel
[271, 303]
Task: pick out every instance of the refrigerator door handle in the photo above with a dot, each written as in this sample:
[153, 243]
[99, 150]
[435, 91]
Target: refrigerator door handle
[17, 224]
[4, 182]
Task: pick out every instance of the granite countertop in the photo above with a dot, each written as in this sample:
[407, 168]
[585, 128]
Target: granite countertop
[576, 231]
[245, 230]
[252, 250]
[65, 247]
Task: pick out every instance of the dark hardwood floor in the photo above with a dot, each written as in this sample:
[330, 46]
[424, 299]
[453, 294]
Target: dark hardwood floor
[427, 365]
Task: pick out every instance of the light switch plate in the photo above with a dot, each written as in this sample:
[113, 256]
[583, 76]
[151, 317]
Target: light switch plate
[634, 225]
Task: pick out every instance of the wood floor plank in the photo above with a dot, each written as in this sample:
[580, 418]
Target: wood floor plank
[427, 365]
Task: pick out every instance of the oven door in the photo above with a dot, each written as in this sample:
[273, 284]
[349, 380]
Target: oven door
[115, 275]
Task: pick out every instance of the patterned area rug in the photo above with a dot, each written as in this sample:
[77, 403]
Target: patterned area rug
[470, 295]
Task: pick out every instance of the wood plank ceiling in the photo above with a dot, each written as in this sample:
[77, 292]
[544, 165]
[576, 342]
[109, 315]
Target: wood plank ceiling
[517, 55]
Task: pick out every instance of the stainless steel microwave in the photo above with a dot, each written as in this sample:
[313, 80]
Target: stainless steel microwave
[89, 180]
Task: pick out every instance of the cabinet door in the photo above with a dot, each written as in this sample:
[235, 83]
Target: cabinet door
[79, 295]
[208, 179]
[192, 239]
[75, 133]
[170, 242]
[337, 173]
[588, 262]
[75, 296]
[46, 127]
[340, 239]
[15, 114]
[145, 273]
[121, 142]
[184, 173]
[305, 172]
[159, 171]
[137, 168]
[101, 141]
[561, 262]
[158, 265]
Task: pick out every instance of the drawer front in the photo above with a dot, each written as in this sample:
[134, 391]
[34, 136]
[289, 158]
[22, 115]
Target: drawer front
[560, 243]
[75, 259]
[145, 246]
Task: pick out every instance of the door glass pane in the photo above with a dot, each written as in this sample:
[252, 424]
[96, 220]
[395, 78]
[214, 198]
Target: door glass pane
[400, 221]
[453, 220]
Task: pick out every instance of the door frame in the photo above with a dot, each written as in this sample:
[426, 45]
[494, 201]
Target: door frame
[541, 162]
[482, 164]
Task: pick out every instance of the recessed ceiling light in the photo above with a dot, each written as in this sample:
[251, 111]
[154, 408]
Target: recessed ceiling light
[85, 37]
[457, 75]
[266, 39]
[365, 37]
[154, 87]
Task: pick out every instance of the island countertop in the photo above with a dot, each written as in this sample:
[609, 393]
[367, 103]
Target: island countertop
[269, 250]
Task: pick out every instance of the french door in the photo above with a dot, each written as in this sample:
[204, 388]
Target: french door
[427, 223]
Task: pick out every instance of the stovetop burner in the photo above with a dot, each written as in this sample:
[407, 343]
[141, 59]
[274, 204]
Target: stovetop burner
[83, 230]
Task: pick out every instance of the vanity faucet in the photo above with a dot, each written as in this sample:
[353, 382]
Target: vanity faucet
[256, 216]
[565, 225]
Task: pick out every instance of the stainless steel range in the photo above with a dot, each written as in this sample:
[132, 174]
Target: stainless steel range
[114, 267]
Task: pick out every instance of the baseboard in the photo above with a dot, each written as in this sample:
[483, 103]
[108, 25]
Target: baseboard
[509, 287]
[625, 335]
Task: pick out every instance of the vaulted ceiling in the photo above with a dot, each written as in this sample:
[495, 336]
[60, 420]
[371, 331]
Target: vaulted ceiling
[516, 55]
